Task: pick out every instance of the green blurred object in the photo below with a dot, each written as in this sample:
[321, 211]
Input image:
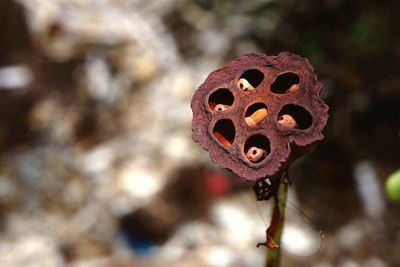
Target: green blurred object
[392, 186]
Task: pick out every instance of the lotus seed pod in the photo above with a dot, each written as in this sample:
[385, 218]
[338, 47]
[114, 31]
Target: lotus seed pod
[283, 116]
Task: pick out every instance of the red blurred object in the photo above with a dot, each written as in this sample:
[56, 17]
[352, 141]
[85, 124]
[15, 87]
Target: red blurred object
[217, 184]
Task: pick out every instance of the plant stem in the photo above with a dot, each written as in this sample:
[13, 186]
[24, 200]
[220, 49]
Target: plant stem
[277, 221]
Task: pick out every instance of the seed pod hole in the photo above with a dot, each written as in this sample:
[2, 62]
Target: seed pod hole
[257, 148]
[252, 77]
[301, 116]
[285, 83]
[256, 113]
[220, 99]
[224, 132]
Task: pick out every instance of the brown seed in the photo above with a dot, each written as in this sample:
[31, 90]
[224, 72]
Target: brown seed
[254, 154]
[293, 88]
[256, 117]
[287, 121]
[222, 139]
[244, 85]
[220, 107]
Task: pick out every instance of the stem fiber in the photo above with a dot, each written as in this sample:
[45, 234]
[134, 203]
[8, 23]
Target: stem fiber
[274, 232]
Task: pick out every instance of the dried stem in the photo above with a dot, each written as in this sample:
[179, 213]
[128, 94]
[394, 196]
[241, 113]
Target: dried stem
[275, 230]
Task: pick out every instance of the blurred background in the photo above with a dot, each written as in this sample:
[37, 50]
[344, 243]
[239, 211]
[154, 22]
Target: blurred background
[97, 165]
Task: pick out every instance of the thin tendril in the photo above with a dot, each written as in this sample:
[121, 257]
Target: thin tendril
[259, 212]
[307, 219]
[310, 223]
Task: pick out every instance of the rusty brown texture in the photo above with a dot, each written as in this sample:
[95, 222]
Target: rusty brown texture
[269, 104]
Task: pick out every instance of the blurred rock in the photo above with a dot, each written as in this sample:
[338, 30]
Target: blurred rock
[29, 250]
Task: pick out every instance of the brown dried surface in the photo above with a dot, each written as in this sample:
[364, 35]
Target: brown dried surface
[286, 84]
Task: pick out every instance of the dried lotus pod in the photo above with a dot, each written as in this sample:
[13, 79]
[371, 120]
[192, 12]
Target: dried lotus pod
[274, 115]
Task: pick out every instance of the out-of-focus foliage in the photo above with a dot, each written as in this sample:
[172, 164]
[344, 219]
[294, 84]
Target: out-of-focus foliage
[392, 186]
